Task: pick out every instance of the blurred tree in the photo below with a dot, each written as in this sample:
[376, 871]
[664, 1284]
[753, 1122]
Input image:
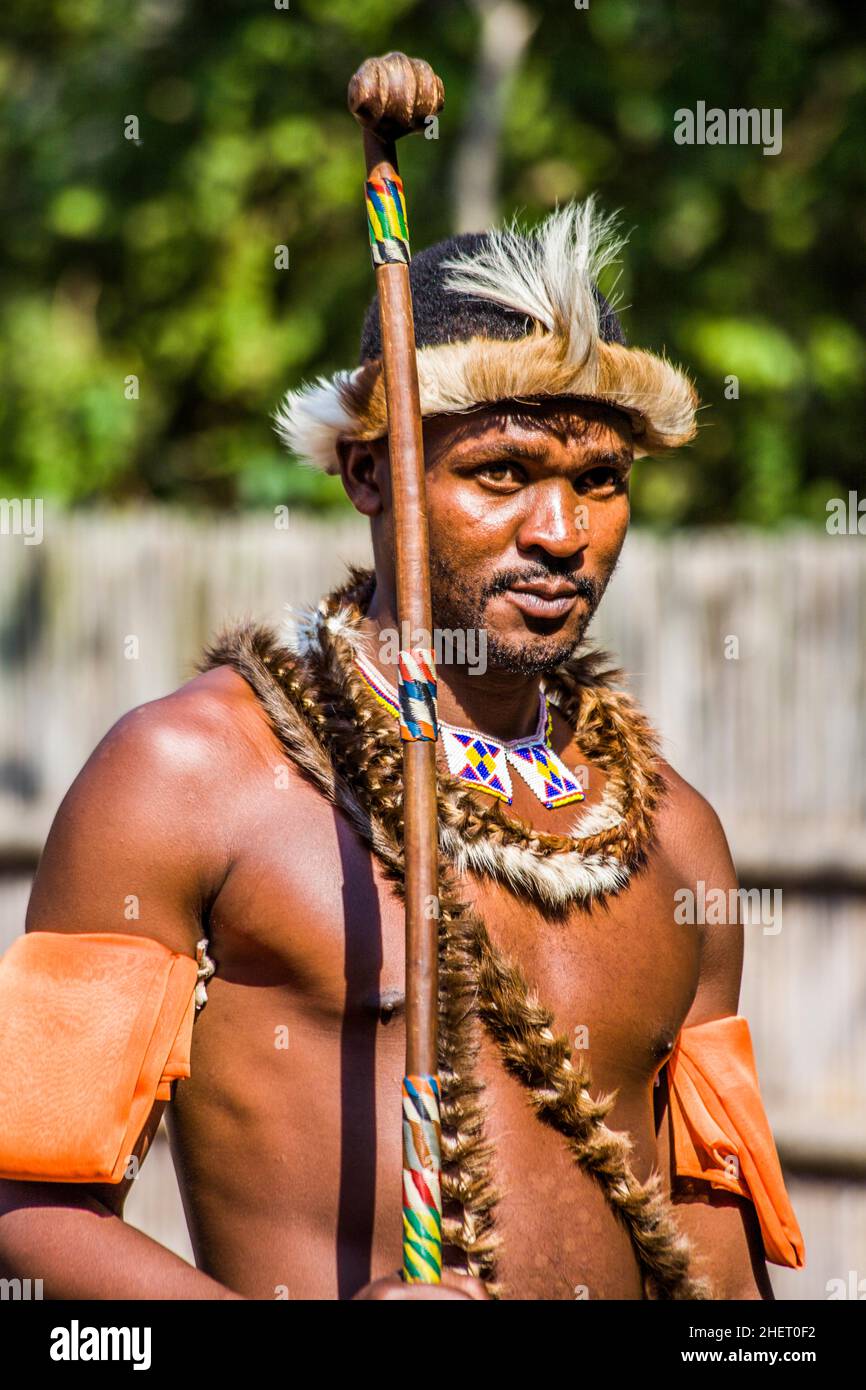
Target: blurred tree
[155, 156]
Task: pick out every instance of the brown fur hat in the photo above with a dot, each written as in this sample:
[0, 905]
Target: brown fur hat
[500, 316]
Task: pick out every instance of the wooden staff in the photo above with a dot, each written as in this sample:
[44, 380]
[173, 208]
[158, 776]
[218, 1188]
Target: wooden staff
[393, 96]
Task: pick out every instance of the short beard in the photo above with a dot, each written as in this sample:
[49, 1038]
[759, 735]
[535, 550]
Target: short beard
[455, 606]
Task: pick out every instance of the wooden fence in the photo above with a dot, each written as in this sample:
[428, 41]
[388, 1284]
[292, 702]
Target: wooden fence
[748, 651]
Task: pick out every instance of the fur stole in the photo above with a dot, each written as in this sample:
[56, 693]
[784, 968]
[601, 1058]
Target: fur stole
[479, 834]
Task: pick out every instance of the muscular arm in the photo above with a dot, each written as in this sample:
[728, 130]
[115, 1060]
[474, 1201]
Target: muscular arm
[723, 1227]
[130, 838]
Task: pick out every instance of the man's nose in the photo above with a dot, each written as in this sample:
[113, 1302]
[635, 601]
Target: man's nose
[553, 520]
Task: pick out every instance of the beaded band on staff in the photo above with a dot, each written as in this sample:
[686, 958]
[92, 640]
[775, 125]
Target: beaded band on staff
[416, 692]
[422, 1181]
[386, 221]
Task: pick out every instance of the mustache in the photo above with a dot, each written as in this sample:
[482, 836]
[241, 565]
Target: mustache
[583, 585]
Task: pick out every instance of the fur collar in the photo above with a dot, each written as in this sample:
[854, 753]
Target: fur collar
[606, 842]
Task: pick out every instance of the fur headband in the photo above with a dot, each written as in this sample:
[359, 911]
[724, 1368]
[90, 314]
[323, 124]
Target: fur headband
[501, 316]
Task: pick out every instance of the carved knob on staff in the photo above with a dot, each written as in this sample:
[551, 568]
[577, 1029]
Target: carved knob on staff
[394, 95]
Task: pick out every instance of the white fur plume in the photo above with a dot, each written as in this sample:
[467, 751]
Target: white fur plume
[547, 273]
[308, 420]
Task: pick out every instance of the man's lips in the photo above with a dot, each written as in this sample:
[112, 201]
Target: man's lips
[543, 598]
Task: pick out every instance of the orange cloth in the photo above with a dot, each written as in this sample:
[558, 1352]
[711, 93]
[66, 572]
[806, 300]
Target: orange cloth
[717, 1113]
[94, 1027]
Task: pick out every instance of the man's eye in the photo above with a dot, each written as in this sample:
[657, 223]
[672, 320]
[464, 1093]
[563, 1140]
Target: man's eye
[498, 473]
[601, 480]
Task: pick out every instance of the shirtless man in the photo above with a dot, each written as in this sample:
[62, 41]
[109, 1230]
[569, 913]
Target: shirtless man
[289, 1159]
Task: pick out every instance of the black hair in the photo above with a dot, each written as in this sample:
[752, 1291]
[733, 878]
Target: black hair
[447, 316]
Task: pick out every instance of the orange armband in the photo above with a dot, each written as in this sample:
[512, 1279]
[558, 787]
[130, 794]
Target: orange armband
[721, 1132]
[94, 1027]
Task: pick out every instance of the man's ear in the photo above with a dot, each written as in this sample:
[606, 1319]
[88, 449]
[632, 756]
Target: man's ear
[361, 476]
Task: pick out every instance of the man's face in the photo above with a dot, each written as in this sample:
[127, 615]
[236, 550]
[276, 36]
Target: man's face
[528, 509]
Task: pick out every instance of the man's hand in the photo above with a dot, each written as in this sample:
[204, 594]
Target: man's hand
[453, 1285]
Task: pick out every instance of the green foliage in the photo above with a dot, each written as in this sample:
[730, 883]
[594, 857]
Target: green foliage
[154, 257]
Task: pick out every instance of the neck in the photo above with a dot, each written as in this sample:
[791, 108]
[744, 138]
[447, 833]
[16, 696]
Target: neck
[503, 704]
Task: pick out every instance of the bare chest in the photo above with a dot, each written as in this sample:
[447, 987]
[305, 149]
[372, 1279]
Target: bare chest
[308, 906]
[306, 1020]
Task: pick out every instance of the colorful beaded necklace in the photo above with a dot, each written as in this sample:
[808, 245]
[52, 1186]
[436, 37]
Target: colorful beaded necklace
[483, 762]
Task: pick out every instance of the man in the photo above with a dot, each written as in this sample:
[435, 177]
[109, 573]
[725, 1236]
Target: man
[602, 1129]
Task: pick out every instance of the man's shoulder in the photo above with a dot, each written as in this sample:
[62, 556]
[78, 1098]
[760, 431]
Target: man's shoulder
[694, 843]
[176, 755]
[689, 830]
[213, 716]
[161, 810]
